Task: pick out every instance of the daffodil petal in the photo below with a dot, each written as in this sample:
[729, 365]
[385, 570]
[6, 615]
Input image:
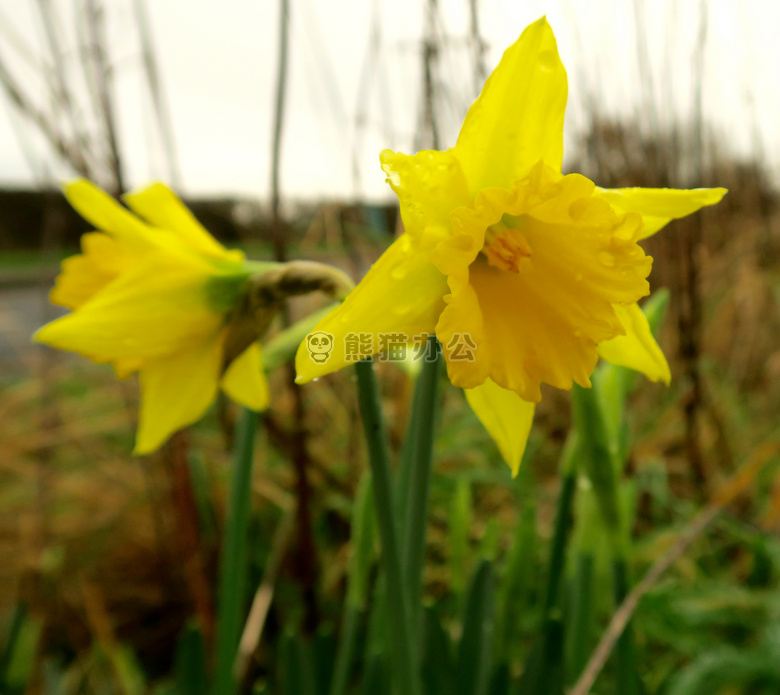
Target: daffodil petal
[637, 349]
[176, 391]
[429, 185]
[161, 208]
[518, 119]
[107, 215]
[156, 308]
[124, 368]
[506, 417]
[245, 382]
[401, 294]
[541, 323]
[659, 206]
[102, 260]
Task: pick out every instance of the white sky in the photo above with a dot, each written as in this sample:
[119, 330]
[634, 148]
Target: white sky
[218, 64]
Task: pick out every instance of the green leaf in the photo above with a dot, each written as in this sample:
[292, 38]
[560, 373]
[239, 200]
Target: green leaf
[232, 567]
[21, 652]
[458, 537]
[582, 627]
[613, 384]
[377, 680]
[475, 652]
[297, 674]
[513, 591]
[363, 549]
[544, 668]
[190, 665]
[437, 662]
[596, 454]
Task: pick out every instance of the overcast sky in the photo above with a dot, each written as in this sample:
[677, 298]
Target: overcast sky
[219, 63]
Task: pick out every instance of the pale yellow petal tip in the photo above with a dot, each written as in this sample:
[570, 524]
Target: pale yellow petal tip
[79, 188]
[151, 187]
[541, 25]
[665, 375]
[716, 195]
[72, 184]
[36, 337]
[47, 335]
[148, 445]
[304, 371]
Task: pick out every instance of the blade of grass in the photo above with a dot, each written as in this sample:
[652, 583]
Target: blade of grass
[436, 660]
[626, 671]
[190, 665]
[475, 652]
[296, 666]
[399, 613]
[17, 621]
[458, 539]
[360, 563]
[581, 627]
[543, 672]
[513, 593]
[741, 480]
[602, 466]
[232, 568]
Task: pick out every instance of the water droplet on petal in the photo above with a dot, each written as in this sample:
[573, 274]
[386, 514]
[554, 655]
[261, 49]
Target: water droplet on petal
[607, 259]
[399, 273]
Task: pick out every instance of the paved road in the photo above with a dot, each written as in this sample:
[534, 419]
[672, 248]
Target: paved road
[23, 309]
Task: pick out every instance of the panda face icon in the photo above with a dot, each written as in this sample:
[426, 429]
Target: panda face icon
[319, 345]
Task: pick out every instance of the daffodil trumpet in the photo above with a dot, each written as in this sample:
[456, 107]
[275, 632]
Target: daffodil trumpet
[537, 273]
[154, 293]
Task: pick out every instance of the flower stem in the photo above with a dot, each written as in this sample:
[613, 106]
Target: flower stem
[419, 482]
[625, 657]
[376, 439]
[232, 568]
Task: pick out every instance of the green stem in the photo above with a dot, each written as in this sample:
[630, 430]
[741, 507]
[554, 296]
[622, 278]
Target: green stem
[232, 568]
[376, 439]
[563, 519]
[346, 651]
[627, 675]
[418, 492]
[543, 673]
[582, 619]
[406, 467]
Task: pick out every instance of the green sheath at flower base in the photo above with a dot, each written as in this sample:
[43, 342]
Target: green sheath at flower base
[541, 271]
[154, 293]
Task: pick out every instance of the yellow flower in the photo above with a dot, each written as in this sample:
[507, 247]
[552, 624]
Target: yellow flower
[538, 271]
[153, 294]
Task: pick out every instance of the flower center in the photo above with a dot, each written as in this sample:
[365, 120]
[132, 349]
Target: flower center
[506, 247]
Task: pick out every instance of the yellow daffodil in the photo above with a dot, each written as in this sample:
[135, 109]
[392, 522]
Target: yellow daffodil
[153, 294]
[536, 272]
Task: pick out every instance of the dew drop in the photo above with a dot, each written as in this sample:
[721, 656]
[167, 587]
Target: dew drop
[607, 259]
[399, 273]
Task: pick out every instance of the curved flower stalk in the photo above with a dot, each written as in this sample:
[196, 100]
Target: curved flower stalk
[154, 293]
[525, 275]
